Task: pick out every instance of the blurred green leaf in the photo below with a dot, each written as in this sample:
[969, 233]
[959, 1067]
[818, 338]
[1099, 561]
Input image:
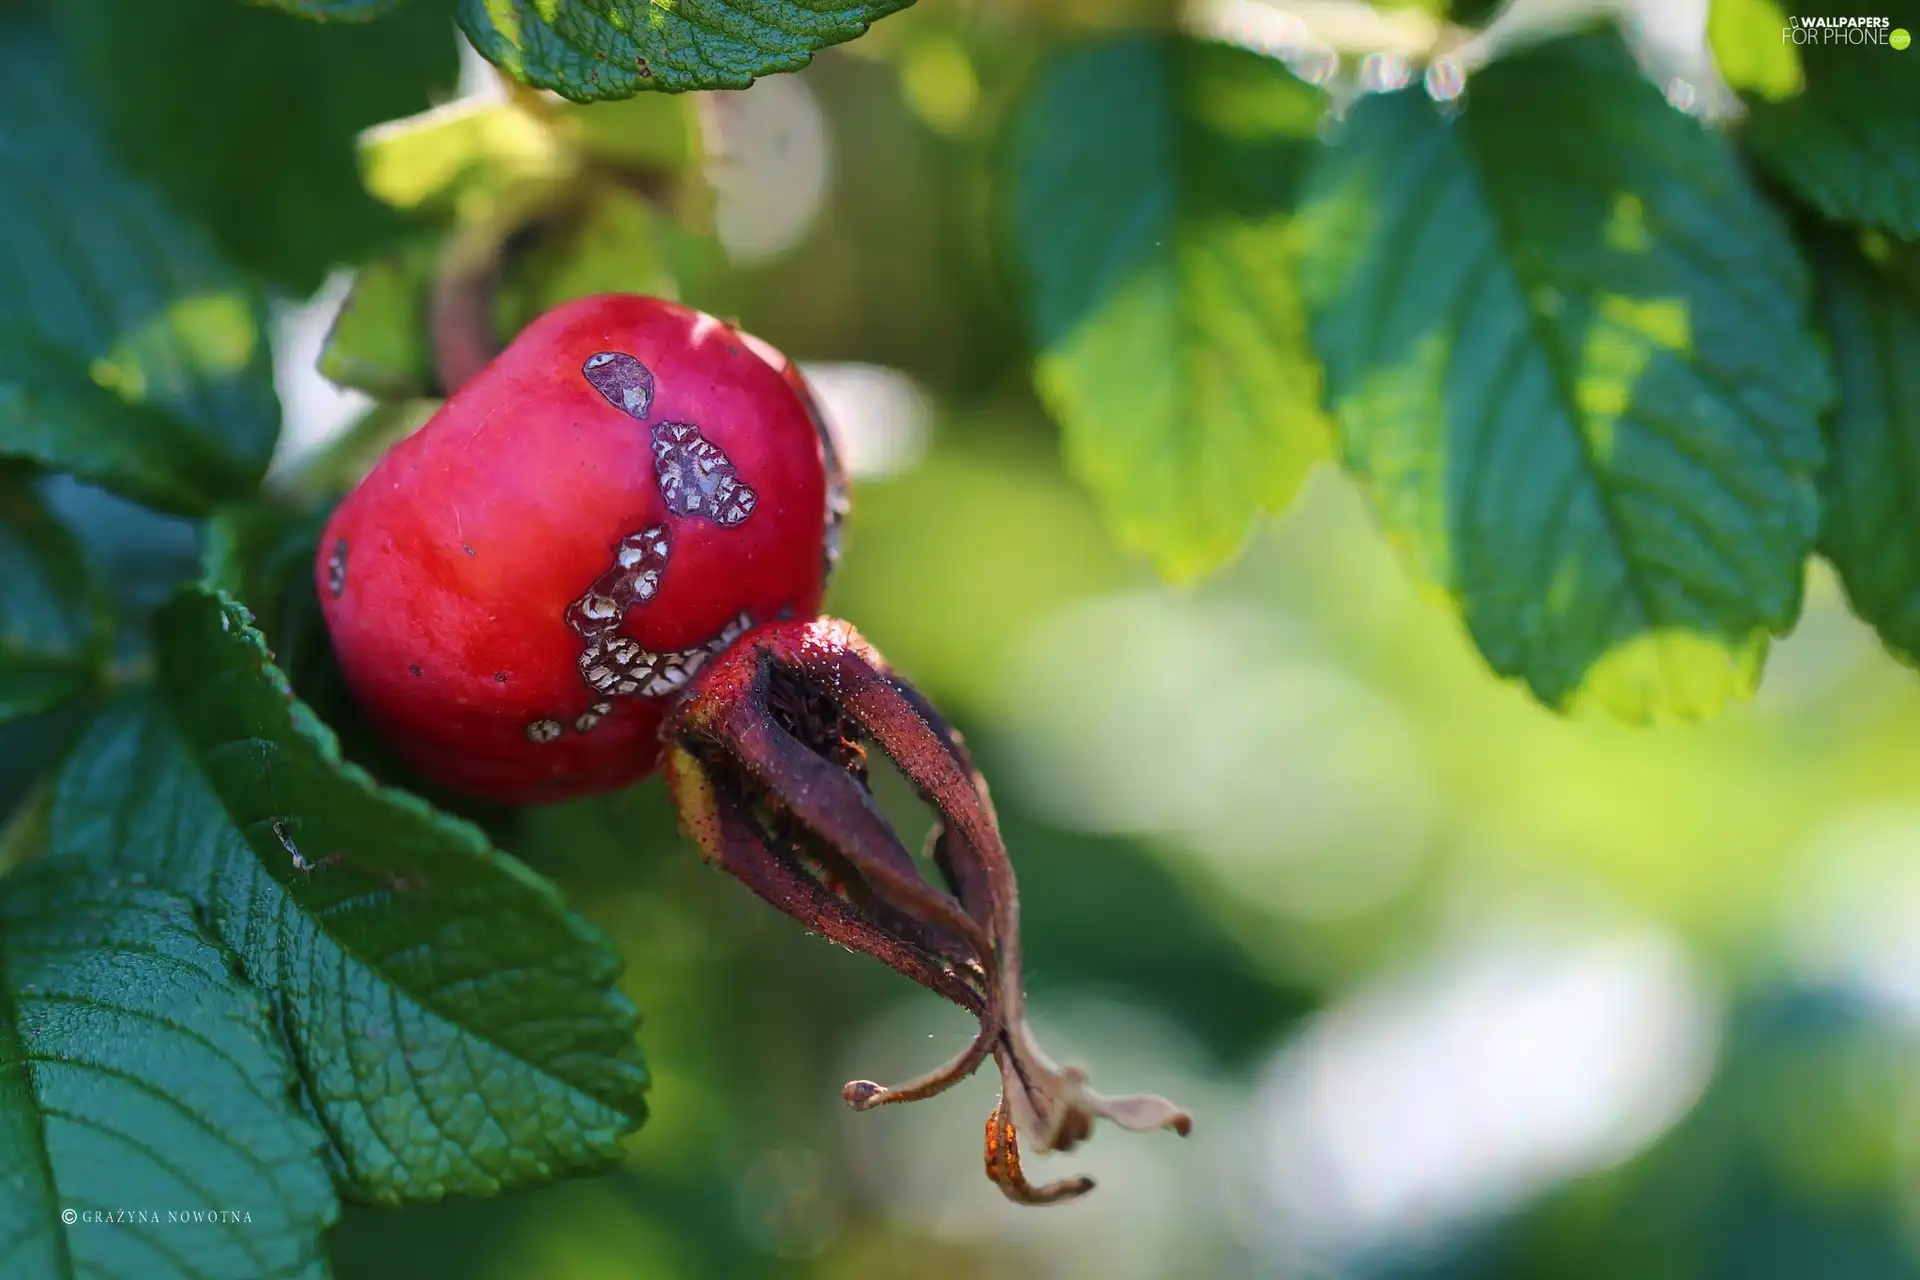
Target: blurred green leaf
[1152, 217]
[53, 632]
[1871, 487]
[143, 1074]
[460, 158]
[379, 342]
[247, 118]
[130, 355]
[457, 1027]
[608, 243]
[334, 10]
[1850, 143]
[1567, 346]
[651, 132]
[1745, 39]
[593, 49]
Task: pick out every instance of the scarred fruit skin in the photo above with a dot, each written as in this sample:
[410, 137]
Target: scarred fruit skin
[518, 590]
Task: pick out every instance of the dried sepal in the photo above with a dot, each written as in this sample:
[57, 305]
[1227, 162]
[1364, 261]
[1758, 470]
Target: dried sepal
[766, 757]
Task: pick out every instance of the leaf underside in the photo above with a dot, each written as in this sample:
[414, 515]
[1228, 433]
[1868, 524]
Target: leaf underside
[1568, 350]
[1152, 218]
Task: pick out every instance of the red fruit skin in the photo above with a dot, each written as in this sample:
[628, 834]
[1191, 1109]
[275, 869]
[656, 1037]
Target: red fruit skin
[457, 558]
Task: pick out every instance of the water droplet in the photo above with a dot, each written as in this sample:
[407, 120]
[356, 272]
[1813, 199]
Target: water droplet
[1680, 94]
[1445, 80]
[1384, 71]
[1316, 64]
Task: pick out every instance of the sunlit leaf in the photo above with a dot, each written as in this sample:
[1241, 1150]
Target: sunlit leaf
[592, 49]
[1153, 219]
[1568, 349]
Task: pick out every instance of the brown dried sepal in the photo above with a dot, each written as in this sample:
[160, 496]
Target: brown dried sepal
[767, 760]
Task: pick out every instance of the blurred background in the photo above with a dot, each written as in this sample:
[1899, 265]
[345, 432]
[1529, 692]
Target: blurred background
[1454, 986]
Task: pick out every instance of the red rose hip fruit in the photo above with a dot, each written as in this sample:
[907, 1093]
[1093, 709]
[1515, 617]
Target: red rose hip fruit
[518, 590]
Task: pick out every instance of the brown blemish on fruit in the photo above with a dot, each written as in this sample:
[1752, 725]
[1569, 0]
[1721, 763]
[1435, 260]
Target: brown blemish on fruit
[469, 550]
[615, 666]
[624, 381]
[696, 477]
[499, 677]
[543, 730]
[415, 668]
[618, 667]
[337, 569]
[639, 563]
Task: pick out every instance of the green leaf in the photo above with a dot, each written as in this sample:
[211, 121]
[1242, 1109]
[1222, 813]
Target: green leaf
[139, 1073]
[1153, 220]
[1568, 350]
[1745, 39]
[335, 10]
[1850, 143]
[1871, 487]
[593, 49]
[608, 242]
[378, 343]
[248, 119]
[129, 354]
[462, 158]
[53, 623]
[456, 1028]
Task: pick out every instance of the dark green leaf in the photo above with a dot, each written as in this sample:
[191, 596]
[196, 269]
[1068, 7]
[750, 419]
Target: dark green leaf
[1871, 485]
[593, 49]
[129, 354]
[1849, 143]
[53, 631]
[248, 118]
[335, 10]
[1153, 221]
[1568, 349]
[457, 1028]
[139, 1073]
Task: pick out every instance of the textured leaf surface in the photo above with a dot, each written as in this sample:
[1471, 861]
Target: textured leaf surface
[1849, 143]
[130, 355]
[1872, 480]
[138, 1072]
[52, 624]
[592, 49]
[248, 118]
[1152, 217]
[1568, 350]
[456, 1028]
